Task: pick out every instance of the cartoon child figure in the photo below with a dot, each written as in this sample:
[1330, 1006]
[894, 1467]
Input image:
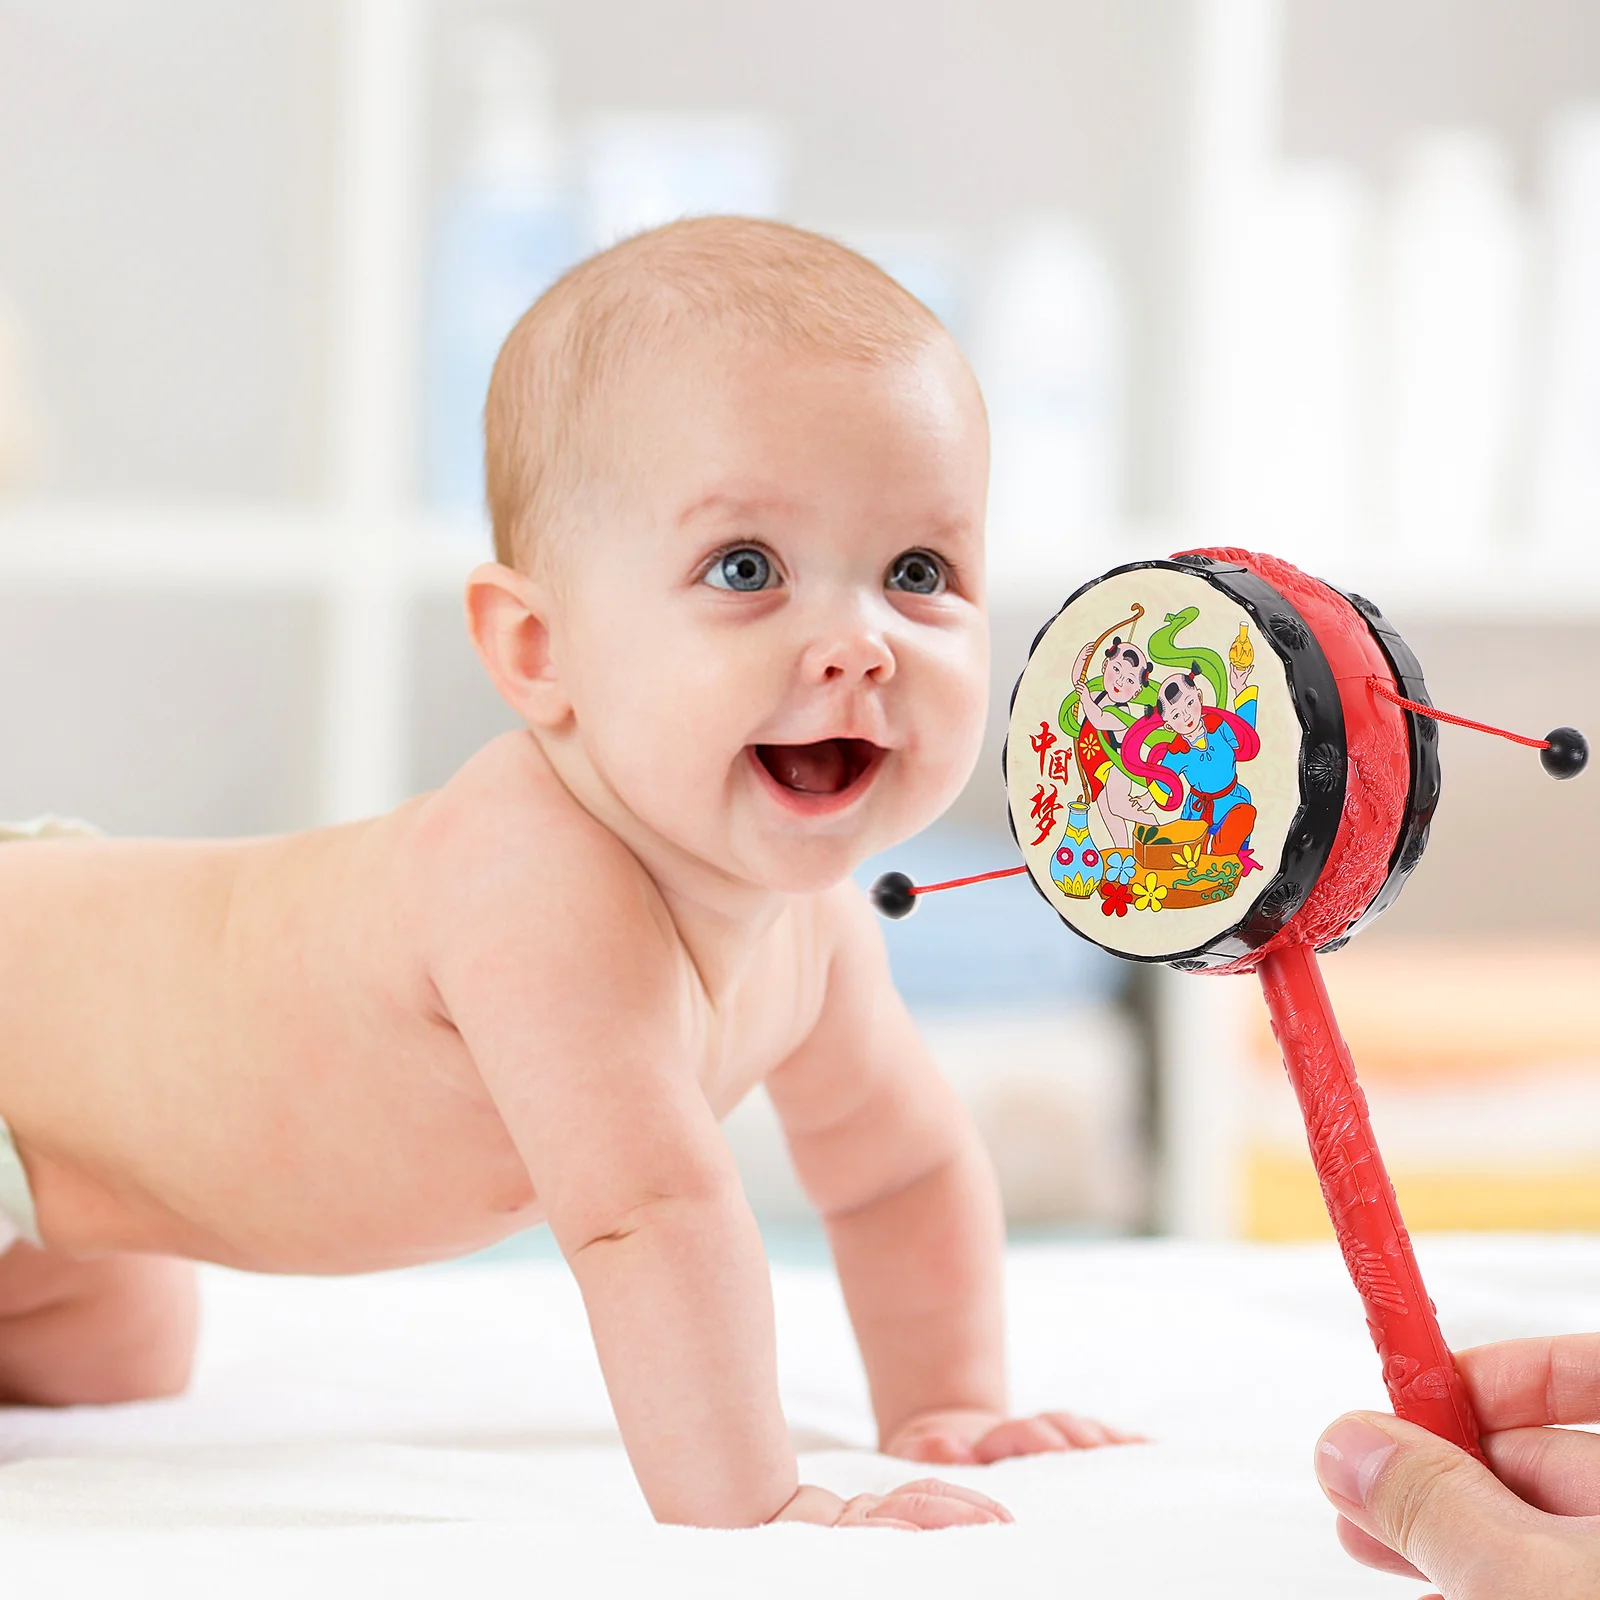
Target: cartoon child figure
[1208, 744]
[1125, 673]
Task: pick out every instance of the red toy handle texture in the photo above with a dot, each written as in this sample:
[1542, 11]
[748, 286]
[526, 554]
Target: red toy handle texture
[1418, 1369]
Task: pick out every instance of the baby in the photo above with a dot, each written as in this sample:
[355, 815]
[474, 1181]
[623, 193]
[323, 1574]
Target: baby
[737, 478]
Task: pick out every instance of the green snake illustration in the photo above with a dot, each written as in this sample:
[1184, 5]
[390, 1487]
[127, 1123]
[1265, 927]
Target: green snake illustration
[1164, 647]
[1167, 652]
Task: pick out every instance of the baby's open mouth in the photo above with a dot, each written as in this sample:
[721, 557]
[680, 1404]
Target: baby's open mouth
[830, 766]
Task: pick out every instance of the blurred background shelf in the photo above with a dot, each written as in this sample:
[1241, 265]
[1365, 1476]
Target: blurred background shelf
[1317, 276]
[208, 548]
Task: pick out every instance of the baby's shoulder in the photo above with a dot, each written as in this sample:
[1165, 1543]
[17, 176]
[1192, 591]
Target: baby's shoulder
[843, 937]
[504, 841]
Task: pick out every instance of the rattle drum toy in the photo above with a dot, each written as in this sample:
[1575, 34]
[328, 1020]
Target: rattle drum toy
[1221, 763]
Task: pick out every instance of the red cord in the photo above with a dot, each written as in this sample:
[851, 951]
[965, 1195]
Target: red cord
[959, 883]
[1378, 687]
[1388, 693]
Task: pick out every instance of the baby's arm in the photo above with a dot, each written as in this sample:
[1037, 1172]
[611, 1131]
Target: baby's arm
[1100, 716]
[886, 1151]
[577, 1026]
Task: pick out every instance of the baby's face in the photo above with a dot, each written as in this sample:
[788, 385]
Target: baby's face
[1182, 708]
[1123, 677]
[773, 637]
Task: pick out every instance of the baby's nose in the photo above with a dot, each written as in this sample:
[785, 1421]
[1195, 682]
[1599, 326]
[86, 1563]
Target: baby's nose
[848, 652]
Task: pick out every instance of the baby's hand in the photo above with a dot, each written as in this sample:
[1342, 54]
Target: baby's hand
[975, 1437]
[927, 1503]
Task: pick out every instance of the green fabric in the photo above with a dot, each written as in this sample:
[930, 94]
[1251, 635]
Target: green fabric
[1165, 651]
[16, 1198]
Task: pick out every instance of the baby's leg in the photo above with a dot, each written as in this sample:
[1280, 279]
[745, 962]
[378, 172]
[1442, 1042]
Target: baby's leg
[93, 1332]
[1118, 807]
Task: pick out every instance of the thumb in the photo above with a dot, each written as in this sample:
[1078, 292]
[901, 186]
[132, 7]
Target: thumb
[1445, 1512]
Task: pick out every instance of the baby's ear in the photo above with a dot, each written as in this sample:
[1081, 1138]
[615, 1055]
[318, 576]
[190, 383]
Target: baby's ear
[506, 612]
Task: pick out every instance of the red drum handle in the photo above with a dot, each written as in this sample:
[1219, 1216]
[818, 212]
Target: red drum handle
[1418, 1369]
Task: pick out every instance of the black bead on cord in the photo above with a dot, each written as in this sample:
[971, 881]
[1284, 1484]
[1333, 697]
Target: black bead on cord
[1565, 753]
[893, 896]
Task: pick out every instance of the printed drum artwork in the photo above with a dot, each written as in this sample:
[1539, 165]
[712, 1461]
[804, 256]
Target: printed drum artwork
[1153, 761]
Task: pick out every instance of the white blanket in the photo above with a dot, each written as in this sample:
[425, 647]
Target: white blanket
[446, 1431]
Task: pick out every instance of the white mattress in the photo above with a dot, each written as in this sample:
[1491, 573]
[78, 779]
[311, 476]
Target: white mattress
[446, 1432]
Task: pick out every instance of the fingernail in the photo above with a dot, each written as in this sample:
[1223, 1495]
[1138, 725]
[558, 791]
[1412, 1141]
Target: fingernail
[1350, 1455]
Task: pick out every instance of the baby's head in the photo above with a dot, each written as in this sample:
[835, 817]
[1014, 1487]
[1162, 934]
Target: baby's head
[737, 477]
[1180, 704]
[1126, 672]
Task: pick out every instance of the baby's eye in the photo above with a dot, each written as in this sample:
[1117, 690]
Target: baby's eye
[917, 572]
[745, 569]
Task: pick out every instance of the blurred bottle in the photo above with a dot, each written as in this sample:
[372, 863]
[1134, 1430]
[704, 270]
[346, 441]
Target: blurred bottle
[505, 232]
[1291, 477]
[1454, 270]
[1566, 474]
[642, 169]
[1049, 351]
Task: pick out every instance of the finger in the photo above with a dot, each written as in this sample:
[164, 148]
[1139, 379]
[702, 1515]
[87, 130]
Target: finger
[877, 1521]
[942, 1448]
[1554, 1469]
[937, 1511]
[956, 1491]
[1082, 1433]
[1119, 1437]
[1445, 1512]
[1527, 1383]
[857, 1509]
[1021, 1436]
[928, 1509]
[1081, 1429]
[1372, 1552]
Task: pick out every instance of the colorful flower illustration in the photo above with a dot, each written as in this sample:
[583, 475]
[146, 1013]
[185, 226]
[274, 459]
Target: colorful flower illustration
[1114, 898]
[1148, 895]
[1119, 867]
[1189, 856]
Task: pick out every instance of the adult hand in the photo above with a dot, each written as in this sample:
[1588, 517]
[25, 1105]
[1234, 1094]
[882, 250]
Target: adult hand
[1414, 1505]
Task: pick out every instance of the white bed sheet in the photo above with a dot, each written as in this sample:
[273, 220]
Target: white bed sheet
[447, 1432]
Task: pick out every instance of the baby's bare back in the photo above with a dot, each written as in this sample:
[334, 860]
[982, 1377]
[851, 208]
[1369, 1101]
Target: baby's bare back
[234, 1050]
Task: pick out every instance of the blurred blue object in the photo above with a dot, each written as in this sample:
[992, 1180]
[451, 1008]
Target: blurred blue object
[991, 944]
[505, 232]
[643, 169]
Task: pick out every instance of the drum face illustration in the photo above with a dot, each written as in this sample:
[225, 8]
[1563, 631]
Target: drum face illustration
[1175, 762]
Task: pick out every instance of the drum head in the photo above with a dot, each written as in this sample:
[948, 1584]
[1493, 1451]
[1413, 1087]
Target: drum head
[1175, 762]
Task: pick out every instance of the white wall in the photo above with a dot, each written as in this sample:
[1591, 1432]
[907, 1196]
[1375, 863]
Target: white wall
[165, 168]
